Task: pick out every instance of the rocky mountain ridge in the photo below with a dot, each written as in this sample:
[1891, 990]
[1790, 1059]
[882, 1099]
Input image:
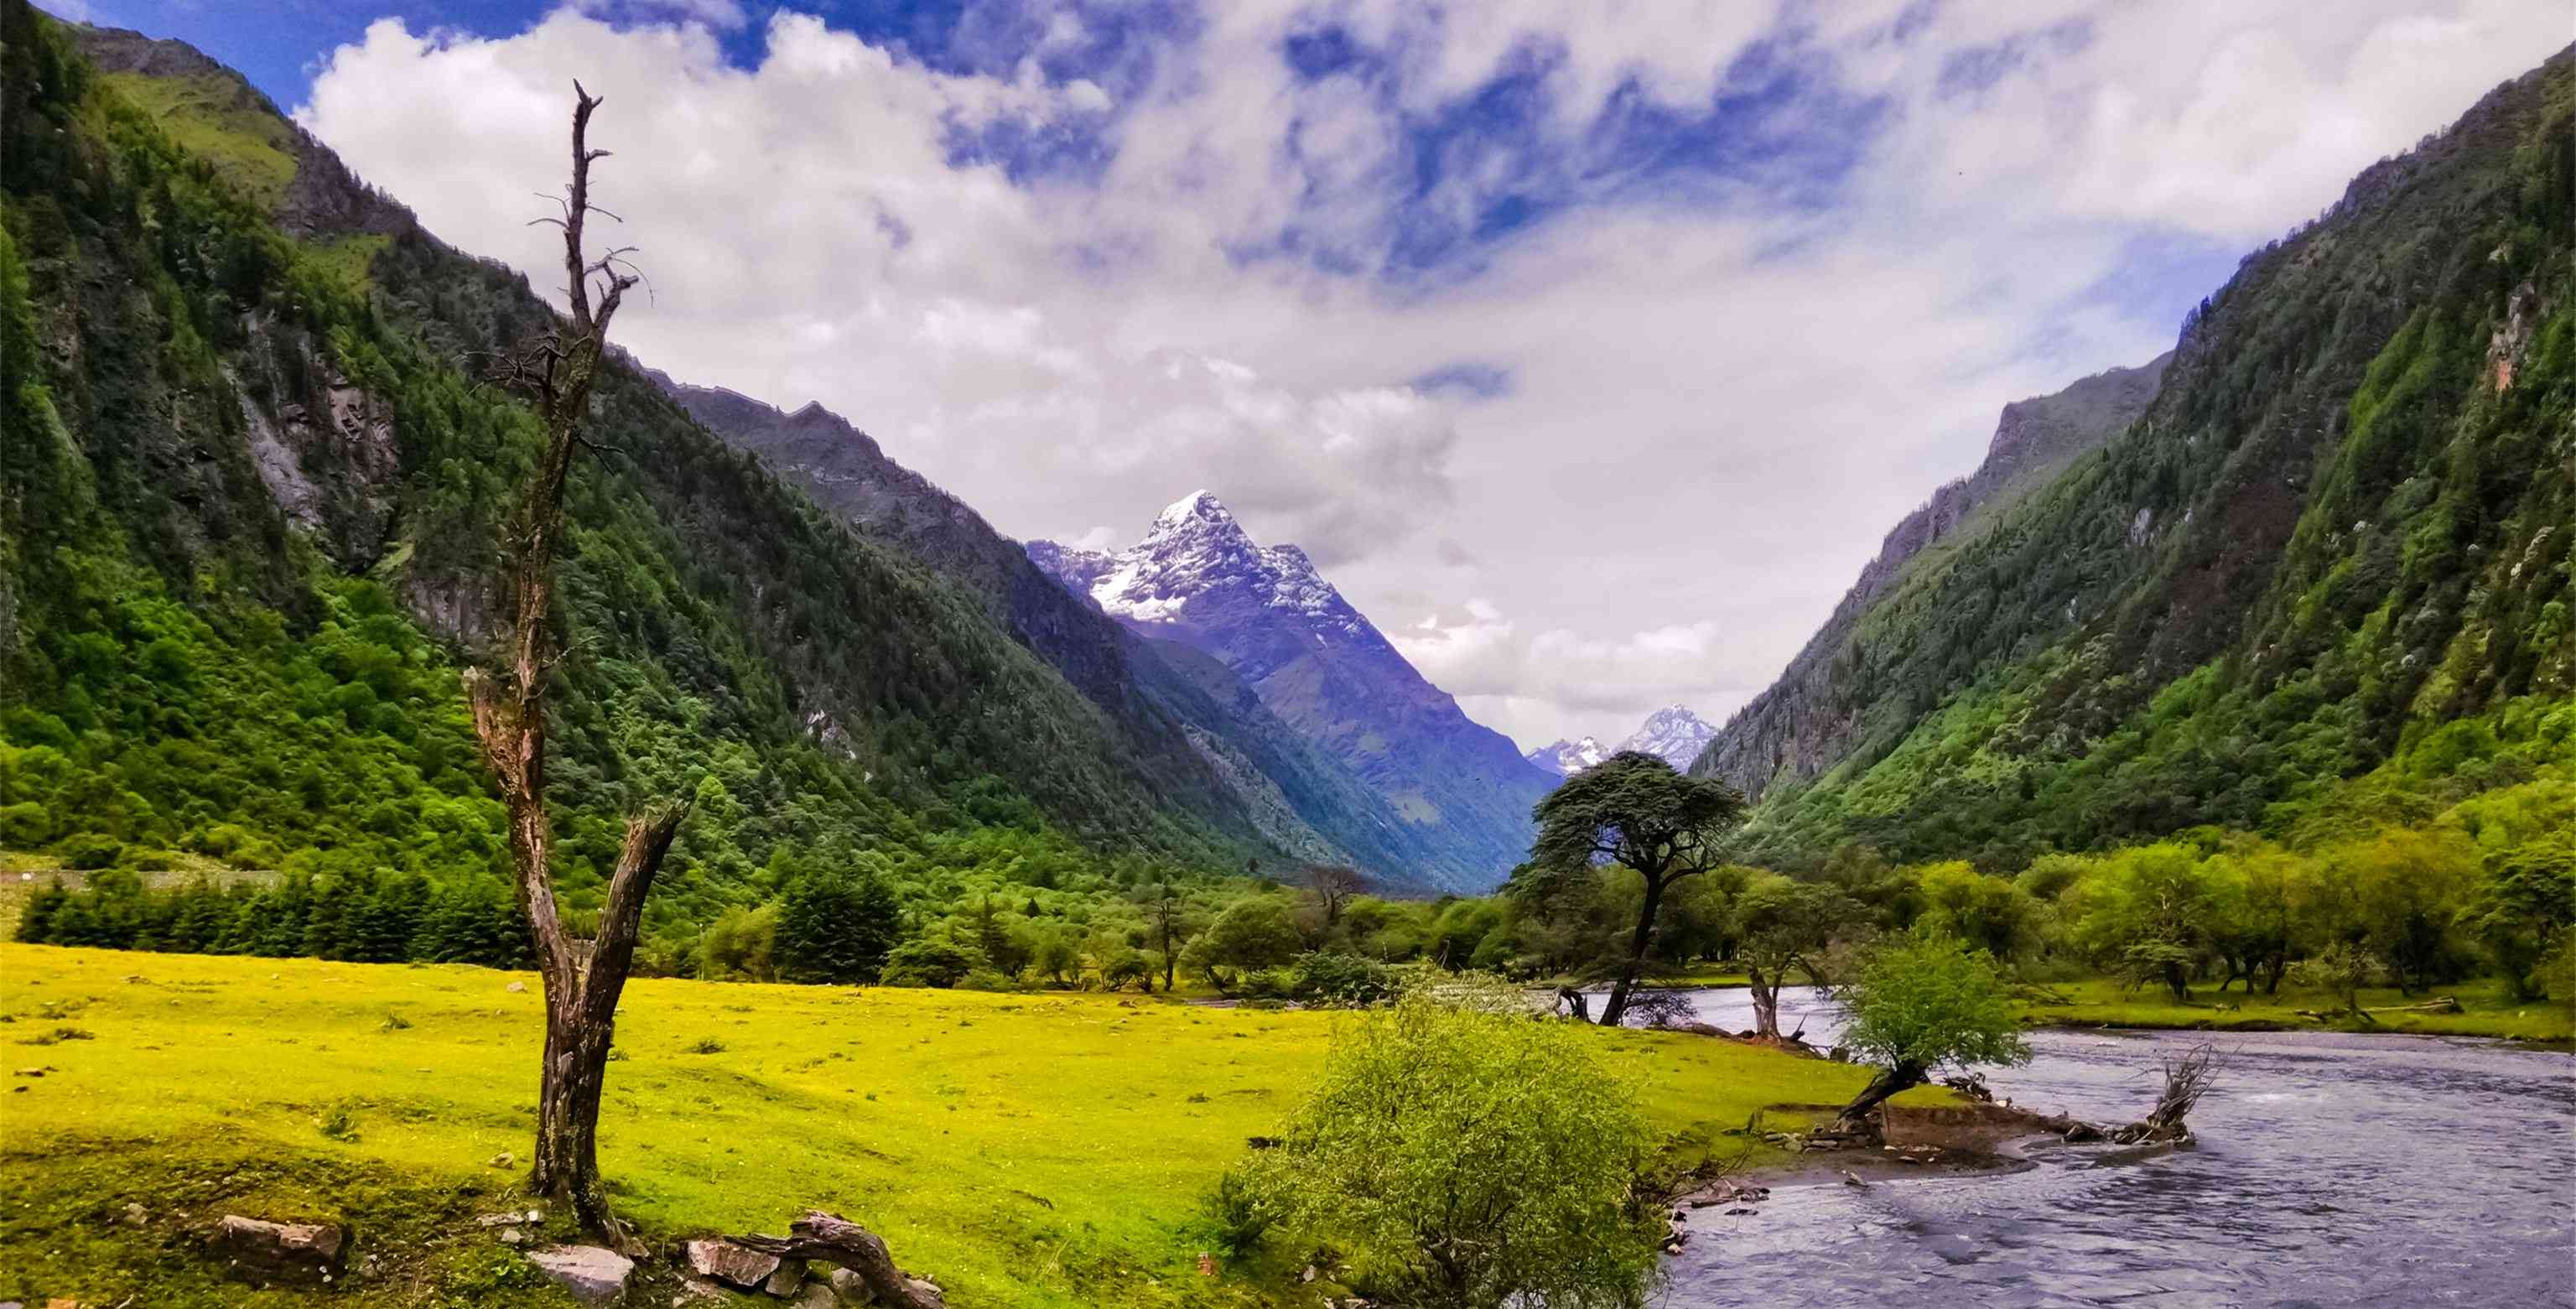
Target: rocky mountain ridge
[1198, 579]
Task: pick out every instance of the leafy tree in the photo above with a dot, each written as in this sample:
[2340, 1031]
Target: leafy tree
[2524, 907]
[2146, 912]
[2340, 969]
[1167, 921]
[1923, 1003]
[1990, 913]
[1636, 810]
[934, 959]
[1462, 1156]
[1783, 926]
[836, 927]
[1253, 932]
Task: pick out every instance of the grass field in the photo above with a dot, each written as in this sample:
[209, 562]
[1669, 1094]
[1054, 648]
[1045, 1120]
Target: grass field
[2485, 1010]
[1037, 1150]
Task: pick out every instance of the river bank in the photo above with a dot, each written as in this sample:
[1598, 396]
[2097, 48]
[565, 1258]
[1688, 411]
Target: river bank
[2328, 1168]
[2485, 1009]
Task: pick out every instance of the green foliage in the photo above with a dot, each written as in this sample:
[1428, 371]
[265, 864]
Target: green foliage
[2237, 604]
[835, 927]
[1927, 1002]
[1459, 1153]
[1633, 808]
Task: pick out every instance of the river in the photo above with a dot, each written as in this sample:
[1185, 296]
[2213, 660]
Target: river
[2330, 1170]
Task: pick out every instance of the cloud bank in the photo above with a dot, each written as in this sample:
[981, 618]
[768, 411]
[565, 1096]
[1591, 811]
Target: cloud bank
[1589, 348]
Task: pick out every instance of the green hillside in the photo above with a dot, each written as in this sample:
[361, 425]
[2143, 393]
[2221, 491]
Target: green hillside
[247, 532]
[2336, 541]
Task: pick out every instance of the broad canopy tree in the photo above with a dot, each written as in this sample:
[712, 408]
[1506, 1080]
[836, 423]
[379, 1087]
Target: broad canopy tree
[1636, 810]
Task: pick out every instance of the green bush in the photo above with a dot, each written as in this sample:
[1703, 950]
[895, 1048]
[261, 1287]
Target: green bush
[1461, 1153]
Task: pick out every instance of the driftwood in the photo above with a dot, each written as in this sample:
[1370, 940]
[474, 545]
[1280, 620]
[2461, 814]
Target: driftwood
[836, 1240]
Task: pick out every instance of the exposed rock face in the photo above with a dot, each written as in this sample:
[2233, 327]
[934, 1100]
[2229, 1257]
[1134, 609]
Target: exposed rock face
[284, 1252]
[594, 1274]
[1265, 612]
[1801, 725]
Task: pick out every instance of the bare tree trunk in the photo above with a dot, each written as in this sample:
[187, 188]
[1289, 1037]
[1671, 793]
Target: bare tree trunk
[1617, 1004]
[583, 979]
[1766, 1003]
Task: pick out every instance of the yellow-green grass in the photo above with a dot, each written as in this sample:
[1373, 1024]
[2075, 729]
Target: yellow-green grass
[2485, 1010]
[1026, 1150]
[212, 116]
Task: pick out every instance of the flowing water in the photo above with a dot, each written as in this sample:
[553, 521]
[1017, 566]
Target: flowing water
[2330, 1170]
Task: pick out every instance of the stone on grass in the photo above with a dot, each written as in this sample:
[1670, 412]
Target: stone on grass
[730, 1264]
[300, 1252]
[594, 1274]
[815, 1296]
[790, 1275]
[850, 1287]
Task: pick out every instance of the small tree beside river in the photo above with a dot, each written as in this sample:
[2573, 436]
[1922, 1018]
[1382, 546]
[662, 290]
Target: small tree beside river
[1924, 1003]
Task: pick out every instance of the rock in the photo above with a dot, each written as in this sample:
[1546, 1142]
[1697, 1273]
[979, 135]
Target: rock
[730, 1264]
[694, 1289]
[135, 1216]
[503, 1160]
[789, 1276]
[516, 988]
[594, 1274]
[927, 1291]
[304, 1252]
[513, 1236]
[850, 1287]
[815, 1296]
[1740, 1211]
[2080, 1132]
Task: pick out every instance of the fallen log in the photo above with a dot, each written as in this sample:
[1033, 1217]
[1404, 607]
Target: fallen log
[833, 1239]
[2444, 1005]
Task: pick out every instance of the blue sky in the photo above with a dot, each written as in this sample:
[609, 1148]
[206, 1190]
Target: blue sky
[1589, 347]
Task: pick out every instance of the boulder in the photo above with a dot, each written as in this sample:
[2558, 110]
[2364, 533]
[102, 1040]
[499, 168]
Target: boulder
[850, 1288]
[730, 1264]
[594, 1274]
[297, 1252]
[815, 1296]
[783, 1282]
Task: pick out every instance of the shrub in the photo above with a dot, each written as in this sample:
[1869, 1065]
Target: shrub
[86, 851]
[937, 961]
[1461, 1154]
[1341, 979]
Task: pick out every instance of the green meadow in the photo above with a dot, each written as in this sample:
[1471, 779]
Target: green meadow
[2487, 1008]
[1038, 1149]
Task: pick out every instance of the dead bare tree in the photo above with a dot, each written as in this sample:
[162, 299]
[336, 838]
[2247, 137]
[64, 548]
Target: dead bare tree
[1334, 886]
[583, 979]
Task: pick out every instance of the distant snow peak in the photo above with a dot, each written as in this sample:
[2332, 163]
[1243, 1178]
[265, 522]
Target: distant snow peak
[1674, 733]
[1566, 758]
[1197, 558]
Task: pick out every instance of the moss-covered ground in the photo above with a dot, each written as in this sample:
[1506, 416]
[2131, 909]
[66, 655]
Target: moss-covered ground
[1026, 1150]
[2485, 1010]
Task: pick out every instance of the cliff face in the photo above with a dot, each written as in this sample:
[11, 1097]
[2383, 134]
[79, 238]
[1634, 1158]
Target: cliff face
[2341, 519]
[1798, 726]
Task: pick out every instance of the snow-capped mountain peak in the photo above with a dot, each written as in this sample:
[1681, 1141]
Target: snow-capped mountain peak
[1198, 567]
[1674, 733]
[1566, 758]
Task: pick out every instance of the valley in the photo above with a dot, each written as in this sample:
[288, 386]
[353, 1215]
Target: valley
[1141, 925]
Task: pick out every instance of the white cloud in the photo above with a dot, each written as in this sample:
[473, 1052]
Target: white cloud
[1718, 397]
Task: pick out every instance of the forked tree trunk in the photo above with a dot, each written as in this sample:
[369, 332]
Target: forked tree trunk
[1617, 1005]
[583, 979]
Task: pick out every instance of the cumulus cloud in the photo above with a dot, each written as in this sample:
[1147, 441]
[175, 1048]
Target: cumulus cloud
[1650, 415]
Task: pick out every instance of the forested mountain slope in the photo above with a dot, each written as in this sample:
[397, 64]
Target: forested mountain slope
[1305, 801]
[248, 523]
[2342, 523]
